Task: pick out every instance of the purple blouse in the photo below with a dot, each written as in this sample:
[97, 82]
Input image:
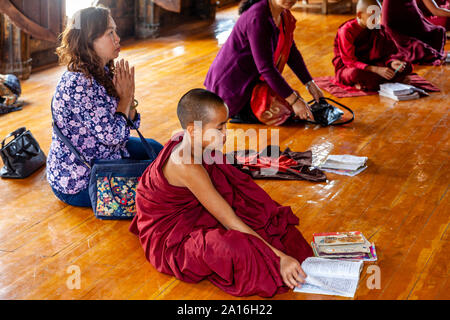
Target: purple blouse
[248, 54]
[86, 115]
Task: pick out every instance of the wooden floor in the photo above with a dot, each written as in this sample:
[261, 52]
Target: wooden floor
[401, 202]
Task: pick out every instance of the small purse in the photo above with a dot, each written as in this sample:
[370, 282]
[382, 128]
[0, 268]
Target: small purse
[22, 156]
[326, 114]
[113, 183]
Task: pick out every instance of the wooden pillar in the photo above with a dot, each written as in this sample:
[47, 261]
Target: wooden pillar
[147, 19]
[15, 56]
[205, 9]
[324, 6]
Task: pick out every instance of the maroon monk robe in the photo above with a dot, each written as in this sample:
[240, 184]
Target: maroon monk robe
[181, 238]
[355, 48]
[439, 21]
[419, 40]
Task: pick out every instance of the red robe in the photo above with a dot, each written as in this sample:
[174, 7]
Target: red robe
[439, 21]
[181, 238]
[355, 48]
[419, 40]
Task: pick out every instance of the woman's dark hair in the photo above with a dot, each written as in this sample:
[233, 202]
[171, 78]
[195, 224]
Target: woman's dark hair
[246, 4]
[77, 46]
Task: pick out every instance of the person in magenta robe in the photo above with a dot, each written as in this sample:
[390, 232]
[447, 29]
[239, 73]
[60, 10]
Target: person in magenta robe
[200, 219]
[364, 55]
[420, 41]
[436, 11]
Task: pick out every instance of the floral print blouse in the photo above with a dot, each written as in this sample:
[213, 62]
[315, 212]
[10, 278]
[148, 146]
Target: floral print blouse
[87, 116]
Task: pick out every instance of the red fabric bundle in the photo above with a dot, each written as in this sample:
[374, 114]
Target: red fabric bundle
[266, 104]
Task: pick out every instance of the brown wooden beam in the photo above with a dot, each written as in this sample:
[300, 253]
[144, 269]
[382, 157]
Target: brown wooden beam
[171, 5]
[26, 24]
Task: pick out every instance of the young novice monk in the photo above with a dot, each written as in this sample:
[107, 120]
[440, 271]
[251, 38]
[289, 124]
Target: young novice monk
[211, 221]
[365, 56]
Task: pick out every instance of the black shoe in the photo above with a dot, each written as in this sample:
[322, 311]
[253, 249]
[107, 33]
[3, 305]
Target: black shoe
[245, 117]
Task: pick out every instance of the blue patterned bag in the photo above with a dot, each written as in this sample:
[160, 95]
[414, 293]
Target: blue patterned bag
[112, 187]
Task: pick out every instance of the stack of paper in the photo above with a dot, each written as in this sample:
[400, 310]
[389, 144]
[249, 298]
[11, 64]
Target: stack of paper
[344, 164]
[400, 91]
[346, 245]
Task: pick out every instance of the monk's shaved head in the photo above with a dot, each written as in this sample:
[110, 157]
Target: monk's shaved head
[198, 105]
[364, 4]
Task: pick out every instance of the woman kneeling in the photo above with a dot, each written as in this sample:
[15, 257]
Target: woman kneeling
[91, 105]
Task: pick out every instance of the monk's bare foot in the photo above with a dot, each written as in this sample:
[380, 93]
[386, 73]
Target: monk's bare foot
[407, 80]
[358, 86]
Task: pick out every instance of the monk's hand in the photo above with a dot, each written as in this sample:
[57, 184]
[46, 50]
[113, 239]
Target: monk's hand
[385, 72]
[291, 272]
[398, 65]
[314, 90]
[302, 110]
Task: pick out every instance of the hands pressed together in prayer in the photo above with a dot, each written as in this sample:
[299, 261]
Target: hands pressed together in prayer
[124, 82]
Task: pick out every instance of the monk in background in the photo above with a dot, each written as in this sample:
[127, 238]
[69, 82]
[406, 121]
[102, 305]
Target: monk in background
[201, 219]
[436, 11]
[420, 41]
[364, 55]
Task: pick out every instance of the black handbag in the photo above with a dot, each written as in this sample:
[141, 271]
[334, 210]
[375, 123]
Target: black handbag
[326, 114]
[22, 156]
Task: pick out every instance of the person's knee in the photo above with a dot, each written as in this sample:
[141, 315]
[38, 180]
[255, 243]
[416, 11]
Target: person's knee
[355, 74]
[368, 81]
[233, 244]
[352, 76]
[138, 150]
[157, 147]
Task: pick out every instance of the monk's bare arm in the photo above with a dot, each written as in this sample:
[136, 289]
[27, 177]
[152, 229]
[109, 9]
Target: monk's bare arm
[197, 180]
[384, 72]
[435, 9]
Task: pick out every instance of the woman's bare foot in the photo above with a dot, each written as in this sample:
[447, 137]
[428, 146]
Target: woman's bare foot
[358, 86]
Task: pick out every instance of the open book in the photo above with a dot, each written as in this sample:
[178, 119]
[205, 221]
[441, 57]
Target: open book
[331, 277]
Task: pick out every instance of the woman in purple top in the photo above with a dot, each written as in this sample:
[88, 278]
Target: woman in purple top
[92, 101]
[248, 54]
